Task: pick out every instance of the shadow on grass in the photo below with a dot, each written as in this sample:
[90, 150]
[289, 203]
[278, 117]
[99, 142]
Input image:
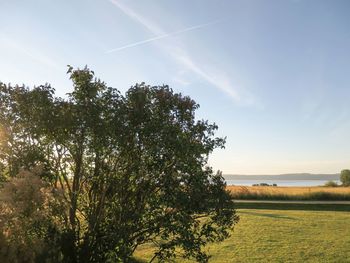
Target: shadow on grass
[137, 260]
[267, 215]
[281, 206]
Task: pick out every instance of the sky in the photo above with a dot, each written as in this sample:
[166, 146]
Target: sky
[273, 75]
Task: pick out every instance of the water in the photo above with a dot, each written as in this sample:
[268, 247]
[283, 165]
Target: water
[250, 182]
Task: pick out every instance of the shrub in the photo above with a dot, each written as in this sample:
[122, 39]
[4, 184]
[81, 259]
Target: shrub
[27, 219]
[331, 184]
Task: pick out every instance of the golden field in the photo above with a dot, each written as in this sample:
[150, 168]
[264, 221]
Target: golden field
[288, 193]
[289, 190]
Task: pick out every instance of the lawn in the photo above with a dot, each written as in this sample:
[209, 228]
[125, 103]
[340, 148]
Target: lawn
[282, 236]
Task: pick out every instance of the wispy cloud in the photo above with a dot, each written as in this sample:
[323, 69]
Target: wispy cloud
[154, 28]
[162, 36]
[217, 78]
[32, 54]
[214, 79]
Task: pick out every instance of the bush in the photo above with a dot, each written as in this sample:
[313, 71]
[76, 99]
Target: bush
[27, 219]
[264, 184]
[331, 184]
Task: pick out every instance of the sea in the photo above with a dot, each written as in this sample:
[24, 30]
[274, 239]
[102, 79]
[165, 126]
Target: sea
[250, 182]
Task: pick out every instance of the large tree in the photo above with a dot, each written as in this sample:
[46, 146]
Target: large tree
[133, 168]
[345, 177]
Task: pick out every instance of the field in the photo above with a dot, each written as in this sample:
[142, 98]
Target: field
[290, 193]
[282, 236]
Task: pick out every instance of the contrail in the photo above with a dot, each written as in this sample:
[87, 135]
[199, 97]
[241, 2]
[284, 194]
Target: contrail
[161, 36]
[179, 54]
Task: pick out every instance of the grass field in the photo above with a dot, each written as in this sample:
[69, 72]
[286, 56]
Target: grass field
[290, 193]
[282, 236]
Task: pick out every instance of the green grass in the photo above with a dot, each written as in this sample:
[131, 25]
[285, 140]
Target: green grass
[282, 236]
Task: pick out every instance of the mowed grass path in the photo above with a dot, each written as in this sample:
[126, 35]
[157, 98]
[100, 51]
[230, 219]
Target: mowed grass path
[282, 236]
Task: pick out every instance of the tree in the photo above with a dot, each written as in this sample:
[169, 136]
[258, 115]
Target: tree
[21, 147]
[345, 177]
[133, 169]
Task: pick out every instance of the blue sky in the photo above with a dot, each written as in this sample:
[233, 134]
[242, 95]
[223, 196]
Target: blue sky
[274, 75]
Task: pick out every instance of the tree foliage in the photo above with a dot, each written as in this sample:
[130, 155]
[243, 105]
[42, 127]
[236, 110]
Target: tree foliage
[345, 177]
[131, 169]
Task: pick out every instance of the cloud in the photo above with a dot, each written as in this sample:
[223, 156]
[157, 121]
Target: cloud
[215, 77]
[155, 29]
[161, 36]
[181, 81]
[35, 56]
